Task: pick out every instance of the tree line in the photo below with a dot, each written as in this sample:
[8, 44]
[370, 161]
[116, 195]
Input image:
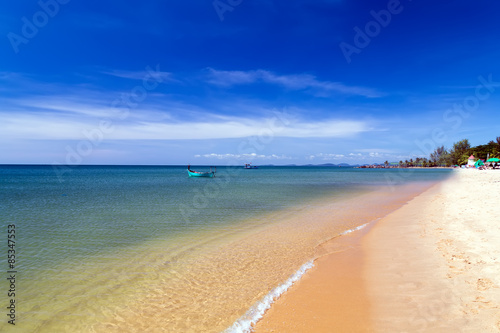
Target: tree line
[457, 155]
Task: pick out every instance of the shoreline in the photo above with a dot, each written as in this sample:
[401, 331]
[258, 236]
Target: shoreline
[413, 270]
[343, 250]
[312, 304]
[377, 203]
[220, 287]
[333, 293]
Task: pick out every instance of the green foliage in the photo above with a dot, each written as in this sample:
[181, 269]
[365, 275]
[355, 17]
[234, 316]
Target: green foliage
[459, 149]
[440, 157]
[482, 151]
[463, 159]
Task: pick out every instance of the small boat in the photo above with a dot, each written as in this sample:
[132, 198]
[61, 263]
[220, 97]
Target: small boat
[193, 173]
[250, 166]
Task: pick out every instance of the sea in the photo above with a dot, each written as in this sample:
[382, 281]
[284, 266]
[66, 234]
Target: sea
[149, 249]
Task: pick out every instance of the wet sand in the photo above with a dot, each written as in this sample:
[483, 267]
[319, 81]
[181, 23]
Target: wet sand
[332, 295]
[429, 266]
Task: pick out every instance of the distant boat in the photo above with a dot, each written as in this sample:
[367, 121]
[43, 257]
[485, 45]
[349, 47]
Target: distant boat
[250, 166]
[193, 173]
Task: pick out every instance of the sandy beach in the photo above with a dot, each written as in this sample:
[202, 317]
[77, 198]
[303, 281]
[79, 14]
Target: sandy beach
[429, 266]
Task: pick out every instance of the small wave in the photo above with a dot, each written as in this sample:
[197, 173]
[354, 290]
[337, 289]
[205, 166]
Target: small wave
[256, 312]
[354, 229]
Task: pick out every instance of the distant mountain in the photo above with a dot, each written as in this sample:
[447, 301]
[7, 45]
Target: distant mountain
[332, 165]
[315, 165]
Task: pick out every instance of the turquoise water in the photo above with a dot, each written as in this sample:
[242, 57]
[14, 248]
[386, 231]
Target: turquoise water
[114, 220]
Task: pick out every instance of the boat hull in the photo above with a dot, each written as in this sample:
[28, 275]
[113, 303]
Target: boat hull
[201, 174]
[250, 166]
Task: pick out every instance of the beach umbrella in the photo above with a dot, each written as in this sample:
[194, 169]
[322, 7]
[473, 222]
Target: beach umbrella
[478, 163]
[493, 159]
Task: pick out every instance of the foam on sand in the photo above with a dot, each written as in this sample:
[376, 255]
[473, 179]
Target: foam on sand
[246, 322]
[251, 317]
[354, 229]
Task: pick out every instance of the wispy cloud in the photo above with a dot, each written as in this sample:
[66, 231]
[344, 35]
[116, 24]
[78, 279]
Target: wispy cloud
[139, 75]
[60, 126]
[246, 157]
[70, 106]
[66, 117]
[325, 156]
[291, 82]
[377, 151]
[358, 155]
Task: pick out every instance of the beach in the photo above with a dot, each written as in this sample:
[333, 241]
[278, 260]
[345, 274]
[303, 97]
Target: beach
[132, 248]
[429, 266]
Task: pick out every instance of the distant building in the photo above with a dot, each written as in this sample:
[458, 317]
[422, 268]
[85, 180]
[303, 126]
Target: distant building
[471, 161]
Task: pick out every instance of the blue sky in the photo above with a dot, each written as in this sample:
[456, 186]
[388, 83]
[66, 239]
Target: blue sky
[238, 81]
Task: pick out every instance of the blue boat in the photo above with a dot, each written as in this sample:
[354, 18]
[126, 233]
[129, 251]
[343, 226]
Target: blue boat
[193, 173]
[250, 166]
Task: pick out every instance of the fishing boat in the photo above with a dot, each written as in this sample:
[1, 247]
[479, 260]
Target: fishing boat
[193, 173]
[250, 166]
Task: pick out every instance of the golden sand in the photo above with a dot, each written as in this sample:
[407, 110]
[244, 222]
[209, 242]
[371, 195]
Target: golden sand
[330, 297]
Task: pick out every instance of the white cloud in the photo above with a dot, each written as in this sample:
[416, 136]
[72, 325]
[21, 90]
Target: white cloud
[229, 78]
[251, 156]
[57, 124]
[67, 116]
[325, 157]
[376, 150]
[140, 75]
[292, 82]
[368, 155]
[67, 106]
